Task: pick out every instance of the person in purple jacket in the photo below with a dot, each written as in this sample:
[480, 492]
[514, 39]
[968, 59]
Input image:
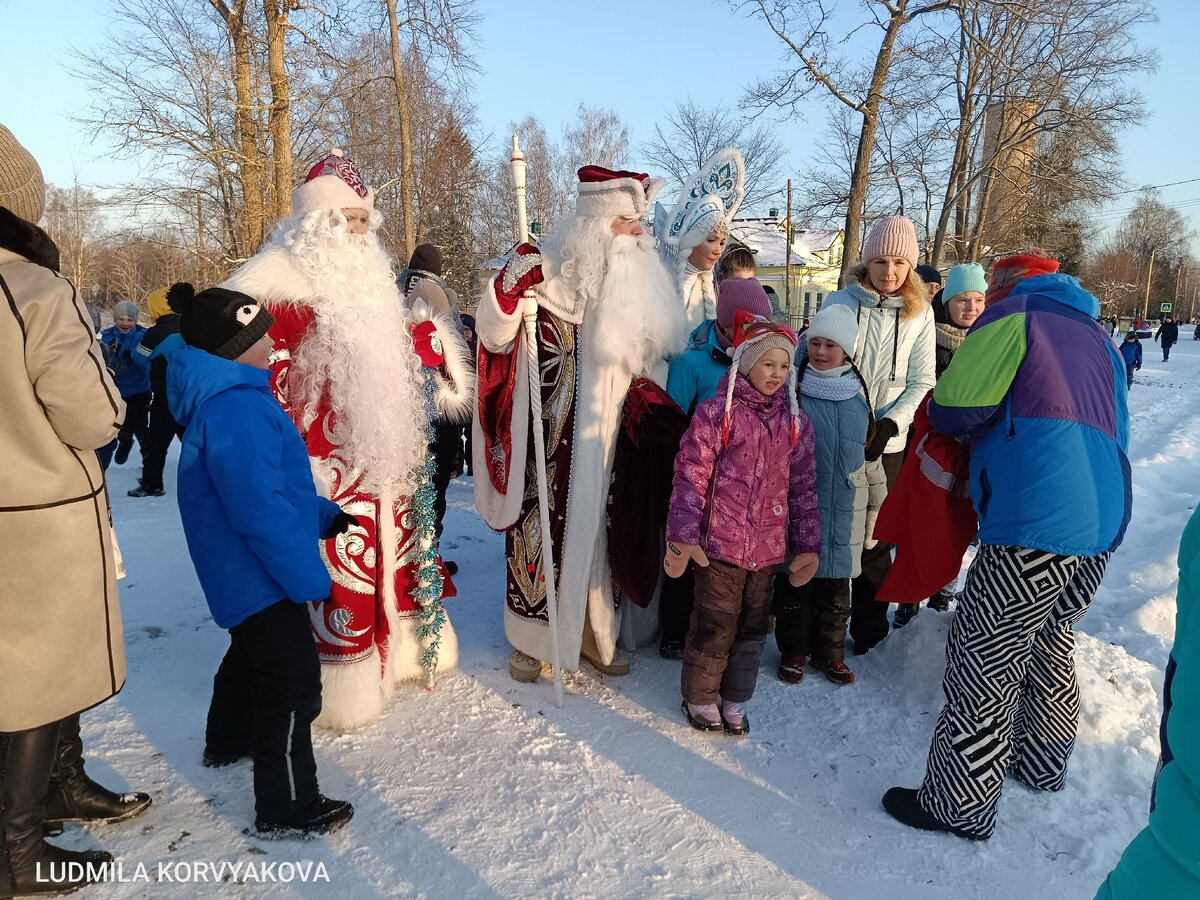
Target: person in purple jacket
[744, 501]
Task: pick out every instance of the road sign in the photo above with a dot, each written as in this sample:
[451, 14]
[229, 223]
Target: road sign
[1165, 307]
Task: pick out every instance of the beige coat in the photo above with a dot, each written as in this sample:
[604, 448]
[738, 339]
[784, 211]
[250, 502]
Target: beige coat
[61, 645]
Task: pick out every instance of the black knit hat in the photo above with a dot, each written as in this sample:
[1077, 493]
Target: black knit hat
[222, 322]
[428, 258]
[929, 274]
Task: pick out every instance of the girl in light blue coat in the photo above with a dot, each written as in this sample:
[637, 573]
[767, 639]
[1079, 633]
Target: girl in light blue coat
[812, 619]
[894, 351]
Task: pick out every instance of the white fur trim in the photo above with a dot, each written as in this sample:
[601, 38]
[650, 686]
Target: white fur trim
[352, 694]
[329, 192]
[498, 334]
[454, 393]
[271, 275]
[628, 197]
[406, 651]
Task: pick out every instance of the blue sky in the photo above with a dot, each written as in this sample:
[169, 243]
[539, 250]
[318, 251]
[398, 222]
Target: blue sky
[637, 57]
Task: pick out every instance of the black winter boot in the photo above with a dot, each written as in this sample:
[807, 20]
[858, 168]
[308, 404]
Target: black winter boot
[29, 865]
[323, 816]
[902, 804]
[905, 613]
[940, 602]
[76, 798]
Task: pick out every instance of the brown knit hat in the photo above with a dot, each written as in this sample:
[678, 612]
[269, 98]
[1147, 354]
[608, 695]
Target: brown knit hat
[892, 236]
[22, 190]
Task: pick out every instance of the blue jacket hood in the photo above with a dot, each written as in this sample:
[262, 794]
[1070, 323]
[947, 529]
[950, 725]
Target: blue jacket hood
[1064, 289]
[195, 376]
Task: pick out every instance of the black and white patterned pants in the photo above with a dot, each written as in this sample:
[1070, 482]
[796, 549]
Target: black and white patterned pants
[1012, 702]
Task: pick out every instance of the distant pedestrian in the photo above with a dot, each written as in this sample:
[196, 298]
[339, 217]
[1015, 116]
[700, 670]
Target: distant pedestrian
[1167, 335]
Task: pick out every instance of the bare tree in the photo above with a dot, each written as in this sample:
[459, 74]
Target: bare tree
[804, 28]
[73, 220]
[1027, 75]
[443, 27]
[597, 137]
[691, 133]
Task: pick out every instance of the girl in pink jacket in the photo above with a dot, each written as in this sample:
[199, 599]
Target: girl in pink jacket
[744, 501]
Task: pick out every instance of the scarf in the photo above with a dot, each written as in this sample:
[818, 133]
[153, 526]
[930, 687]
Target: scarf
[832, 384]
[949, 336]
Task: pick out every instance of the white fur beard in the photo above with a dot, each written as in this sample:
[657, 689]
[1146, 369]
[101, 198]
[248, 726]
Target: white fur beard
[361, 350]
[638, 317]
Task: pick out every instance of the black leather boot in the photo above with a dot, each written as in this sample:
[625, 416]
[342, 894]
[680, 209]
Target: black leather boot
[76, 798]
[29, 865]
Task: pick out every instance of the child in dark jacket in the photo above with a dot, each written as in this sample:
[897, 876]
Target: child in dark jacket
[253, 518]
[1131, 352]
[744, 501]
[153, 351]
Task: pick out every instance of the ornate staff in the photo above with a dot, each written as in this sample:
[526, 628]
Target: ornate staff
[529, 310]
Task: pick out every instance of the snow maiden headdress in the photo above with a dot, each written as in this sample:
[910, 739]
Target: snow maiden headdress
[709, 201]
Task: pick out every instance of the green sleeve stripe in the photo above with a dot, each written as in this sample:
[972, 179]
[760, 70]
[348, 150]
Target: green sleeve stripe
[984, 365]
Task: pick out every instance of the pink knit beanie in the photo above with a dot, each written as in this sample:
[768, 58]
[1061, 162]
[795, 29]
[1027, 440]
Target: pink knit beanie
[745, 294]
[893, 236]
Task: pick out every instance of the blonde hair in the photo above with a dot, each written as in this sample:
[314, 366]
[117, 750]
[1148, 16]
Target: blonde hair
[913, 291]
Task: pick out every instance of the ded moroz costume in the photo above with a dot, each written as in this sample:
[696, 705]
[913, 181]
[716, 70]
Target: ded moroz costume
[607, 314]
[362, 379]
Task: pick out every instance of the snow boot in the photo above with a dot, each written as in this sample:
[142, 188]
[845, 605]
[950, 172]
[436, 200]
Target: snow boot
[734, 719]
[214, 760]
[902, 805]
[142, 491]
[703, 716]
[618, 666]
[791, 669]
[523, 667]
[835, 670]
[74, 797]
[940, 602]
[322, 816]
[29, 865]
[670, 649]
[905, 613]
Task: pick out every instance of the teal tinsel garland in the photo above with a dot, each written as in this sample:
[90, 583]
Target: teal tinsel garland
[428, 593]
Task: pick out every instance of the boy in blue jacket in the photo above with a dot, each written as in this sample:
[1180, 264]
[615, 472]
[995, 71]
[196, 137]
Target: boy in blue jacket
[253, 518]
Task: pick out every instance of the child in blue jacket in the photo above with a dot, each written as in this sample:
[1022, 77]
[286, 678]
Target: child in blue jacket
[133, 381]
[1131, 352]
[253, 519]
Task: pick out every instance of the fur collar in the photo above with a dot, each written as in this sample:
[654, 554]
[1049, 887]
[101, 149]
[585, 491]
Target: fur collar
[27, 240]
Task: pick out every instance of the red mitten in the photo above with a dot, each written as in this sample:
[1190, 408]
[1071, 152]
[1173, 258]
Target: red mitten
[427, 344]
[520, 273]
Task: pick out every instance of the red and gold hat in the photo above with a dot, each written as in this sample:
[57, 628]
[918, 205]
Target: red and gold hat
[333, 183]
[611, 193]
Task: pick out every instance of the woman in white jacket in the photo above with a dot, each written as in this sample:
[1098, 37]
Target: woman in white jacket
[895, 353]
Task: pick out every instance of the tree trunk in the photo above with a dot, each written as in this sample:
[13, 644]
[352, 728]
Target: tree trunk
[280, 121]
[860, 176]
[250, 234]
[402, 106]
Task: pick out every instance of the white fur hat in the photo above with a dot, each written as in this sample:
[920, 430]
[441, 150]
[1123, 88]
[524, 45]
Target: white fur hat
[333, 183]
[609, 193]
[835, 323]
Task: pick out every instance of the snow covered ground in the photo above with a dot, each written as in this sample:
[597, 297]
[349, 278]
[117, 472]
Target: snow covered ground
[483, 788]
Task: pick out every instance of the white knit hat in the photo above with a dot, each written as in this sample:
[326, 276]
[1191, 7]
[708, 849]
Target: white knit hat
[333, 183]
[835, 323]
[609, 193]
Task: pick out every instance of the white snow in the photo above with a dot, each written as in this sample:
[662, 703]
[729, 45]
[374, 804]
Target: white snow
[483, 788]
